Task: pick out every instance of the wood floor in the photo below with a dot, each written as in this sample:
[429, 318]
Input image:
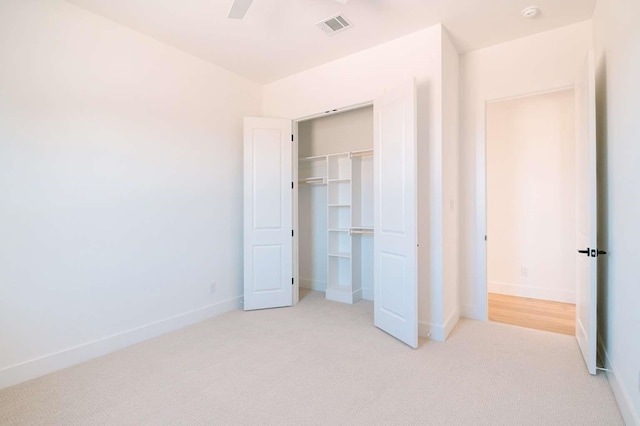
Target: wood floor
[533, 313]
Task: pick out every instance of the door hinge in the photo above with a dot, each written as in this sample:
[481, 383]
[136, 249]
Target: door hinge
[291, 138]
[291, 281]
[292, 232]
[291, 185]
[591, 252]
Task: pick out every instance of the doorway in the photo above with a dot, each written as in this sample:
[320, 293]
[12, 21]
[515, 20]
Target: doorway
[531, 211]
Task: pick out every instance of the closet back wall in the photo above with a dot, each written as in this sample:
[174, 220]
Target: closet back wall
[347, 131]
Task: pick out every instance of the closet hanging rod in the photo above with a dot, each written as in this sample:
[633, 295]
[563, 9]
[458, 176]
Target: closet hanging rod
[314, 158]
[312, 180]
[362, 153]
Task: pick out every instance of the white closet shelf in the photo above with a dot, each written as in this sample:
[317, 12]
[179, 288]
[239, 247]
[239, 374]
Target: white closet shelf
[320, 180]
[339, 205]
[344, 255]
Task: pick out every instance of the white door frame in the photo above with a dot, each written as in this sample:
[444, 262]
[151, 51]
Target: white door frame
[481, 196]
[294, 207]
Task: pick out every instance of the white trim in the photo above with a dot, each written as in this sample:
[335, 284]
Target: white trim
[623, 399]
[438, 332]
[481, 214]
[314, 285]
[526, 95]
[334, 111]
[451, 323]
[471, 311]
[367, 294]
[46, 364]
[533, 292]
[295, 217]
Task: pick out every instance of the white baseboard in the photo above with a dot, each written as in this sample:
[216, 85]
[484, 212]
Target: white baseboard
[474, 312]
[336, 294]
[451, 322]
[46, 364]
[532, 292]
[313, 284]
[367, 293]
[630, 416]
[439, 332]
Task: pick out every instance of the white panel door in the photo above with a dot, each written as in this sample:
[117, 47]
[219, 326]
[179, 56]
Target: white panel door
[395, 214]
[267, 213]
[586, 212]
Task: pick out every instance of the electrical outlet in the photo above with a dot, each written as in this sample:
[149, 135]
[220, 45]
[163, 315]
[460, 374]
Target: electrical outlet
[524, 271]
[212, 287]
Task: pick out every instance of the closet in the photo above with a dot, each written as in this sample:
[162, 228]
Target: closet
[335, 205]
[357, 179]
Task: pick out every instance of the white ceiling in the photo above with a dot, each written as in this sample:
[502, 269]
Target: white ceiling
[278, 38]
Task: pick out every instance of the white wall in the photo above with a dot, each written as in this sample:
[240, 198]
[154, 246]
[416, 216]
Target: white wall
[361, 78]
[617, 41]
[531, 196]
[538, 63]
[120, 187]
[450, 183]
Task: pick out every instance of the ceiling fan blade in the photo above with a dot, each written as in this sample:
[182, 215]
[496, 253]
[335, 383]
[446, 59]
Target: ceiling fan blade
[239, 8]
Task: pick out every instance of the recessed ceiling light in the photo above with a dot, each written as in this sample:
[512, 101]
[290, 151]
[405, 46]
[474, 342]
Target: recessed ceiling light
[530, 11]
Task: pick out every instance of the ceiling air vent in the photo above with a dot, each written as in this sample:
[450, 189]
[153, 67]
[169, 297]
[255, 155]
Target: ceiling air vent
[335, 24]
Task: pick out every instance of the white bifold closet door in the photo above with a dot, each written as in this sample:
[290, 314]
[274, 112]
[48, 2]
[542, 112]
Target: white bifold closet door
[587, 214]
[268, 224]
[395, 214]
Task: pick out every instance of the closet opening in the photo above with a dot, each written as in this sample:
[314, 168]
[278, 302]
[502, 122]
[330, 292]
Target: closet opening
[531, 211]
[334, 206]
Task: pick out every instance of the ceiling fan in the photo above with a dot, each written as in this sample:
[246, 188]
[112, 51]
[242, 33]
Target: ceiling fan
[240, 7]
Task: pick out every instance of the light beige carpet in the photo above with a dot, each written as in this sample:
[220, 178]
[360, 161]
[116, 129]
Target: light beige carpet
[322, 363]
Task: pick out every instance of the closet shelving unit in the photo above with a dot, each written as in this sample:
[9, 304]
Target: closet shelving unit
[344, 219]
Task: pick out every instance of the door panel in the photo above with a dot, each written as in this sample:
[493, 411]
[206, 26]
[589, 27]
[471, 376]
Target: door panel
[395, 214]
[586, 213]
[267, 213]
[392, 268]
[267, 179]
